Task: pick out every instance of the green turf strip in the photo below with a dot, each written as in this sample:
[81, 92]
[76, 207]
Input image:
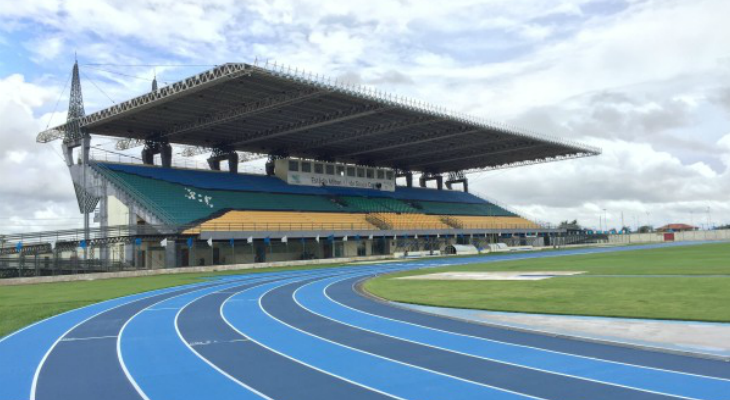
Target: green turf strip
[641, 296]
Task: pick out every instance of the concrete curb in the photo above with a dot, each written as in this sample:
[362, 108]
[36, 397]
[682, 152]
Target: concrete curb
[359, 290]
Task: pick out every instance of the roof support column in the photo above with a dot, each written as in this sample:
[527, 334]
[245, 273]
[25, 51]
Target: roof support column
[405, 174]
[428, 177]
[223, 153]
[455, 178]
[152, 147]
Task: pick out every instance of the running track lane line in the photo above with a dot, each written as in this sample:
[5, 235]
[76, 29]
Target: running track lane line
[160, 366]
[184, 377]
[280, 304]
[346, 294]
[202, 322]
[398, 379]
[29, 347]
[539, 333]
[313, 297]
[109, 366]
[84, 366]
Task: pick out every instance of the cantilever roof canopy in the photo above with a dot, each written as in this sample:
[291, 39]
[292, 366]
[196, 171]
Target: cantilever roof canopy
[273, 110]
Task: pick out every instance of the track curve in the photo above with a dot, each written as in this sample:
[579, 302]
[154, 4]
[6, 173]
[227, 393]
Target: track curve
[311, 335]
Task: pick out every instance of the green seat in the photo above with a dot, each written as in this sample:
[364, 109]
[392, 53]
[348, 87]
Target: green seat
[483, 209]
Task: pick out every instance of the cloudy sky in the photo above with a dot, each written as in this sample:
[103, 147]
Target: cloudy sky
[647, 81]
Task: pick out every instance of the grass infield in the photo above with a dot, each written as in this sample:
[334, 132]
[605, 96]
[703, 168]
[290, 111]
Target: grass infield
[631, 292]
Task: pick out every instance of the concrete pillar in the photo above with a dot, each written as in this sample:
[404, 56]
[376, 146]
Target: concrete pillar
[214, 164]
[129, 253]
[166, 155]
[171, 254]
[233, 162]
[104, 220]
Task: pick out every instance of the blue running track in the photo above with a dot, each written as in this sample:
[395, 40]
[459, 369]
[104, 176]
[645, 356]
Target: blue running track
[310, 335]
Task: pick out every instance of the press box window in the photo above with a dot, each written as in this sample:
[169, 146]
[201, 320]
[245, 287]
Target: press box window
[306, 167]
[381, 174]
[350, 171]
[390, 175]
[293, 165]
[340, 170]
[330, 169]
[361, 172]
[318, 169]
[370, 173]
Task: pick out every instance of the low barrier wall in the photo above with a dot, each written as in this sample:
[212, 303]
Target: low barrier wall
[658, 237]
[182, 270]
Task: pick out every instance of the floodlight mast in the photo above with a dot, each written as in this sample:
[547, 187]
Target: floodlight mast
[75, 136]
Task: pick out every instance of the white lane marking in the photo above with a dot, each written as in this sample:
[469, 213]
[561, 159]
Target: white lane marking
[209, 342]
[120, 358]
[152, 293]
[76, 339]
[393, 360]
[220, 311]
[205, 360]
[34, 384]
[226, 283]
[471, 355]
[131, 380]
[523, 345]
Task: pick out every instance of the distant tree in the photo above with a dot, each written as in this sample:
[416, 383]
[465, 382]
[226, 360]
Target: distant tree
[645, 229]
[570, 225]
[626, 229]
[726, 226]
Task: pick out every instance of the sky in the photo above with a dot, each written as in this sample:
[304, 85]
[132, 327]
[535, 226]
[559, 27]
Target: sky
[647, 81]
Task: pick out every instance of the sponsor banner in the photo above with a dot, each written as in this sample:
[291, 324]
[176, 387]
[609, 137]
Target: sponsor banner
[311, 179]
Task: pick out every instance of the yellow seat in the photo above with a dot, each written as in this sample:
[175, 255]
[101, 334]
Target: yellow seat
[480, 222]
[282, 221]
[412, 221]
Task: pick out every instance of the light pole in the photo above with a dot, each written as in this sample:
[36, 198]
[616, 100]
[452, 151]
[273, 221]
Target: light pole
[708, 218]
[647, 219]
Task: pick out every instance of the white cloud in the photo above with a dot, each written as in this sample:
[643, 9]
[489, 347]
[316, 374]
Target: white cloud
[630, 80]
[34, 180]
[631, 178]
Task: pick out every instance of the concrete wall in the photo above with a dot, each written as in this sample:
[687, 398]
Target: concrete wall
[658, 237]
[189, 270]
[118, 213]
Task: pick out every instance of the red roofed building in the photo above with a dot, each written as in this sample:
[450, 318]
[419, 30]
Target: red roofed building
[676, 228]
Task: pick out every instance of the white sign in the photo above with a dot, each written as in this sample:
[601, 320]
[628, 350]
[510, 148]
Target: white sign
[311, 178]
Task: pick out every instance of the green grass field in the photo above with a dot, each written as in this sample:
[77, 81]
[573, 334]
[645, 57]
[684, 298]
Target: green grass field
[24, 304]
[701, 297]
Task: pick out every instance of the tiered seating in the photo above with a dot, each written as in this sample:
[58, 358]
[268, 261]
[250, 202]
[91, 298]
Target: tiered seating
[369, 204]
[216, 180]
[474, 222]
[185, 204]
[487, 209]
[187, 197]
[283, 221]
[412, 221]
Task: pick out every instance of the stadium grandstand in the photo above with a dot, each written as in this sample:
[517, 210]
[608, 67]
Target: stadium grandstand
[349, 171]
